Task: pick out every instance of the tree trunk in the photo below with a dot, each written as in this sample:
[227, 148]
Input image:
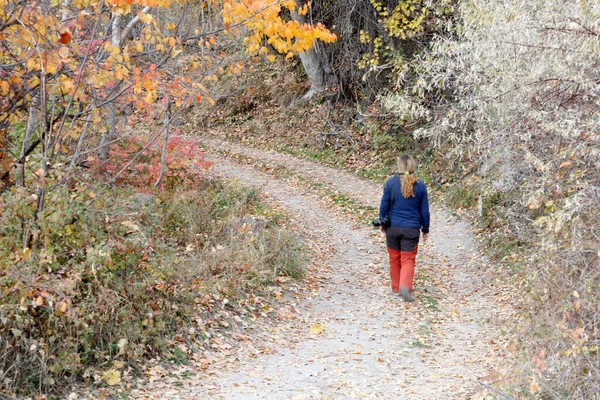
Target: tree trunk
[111, 122]
[88, 121]
[31, 123]
[316, 68]
[106, 140]
[117, 37]
[65, 11]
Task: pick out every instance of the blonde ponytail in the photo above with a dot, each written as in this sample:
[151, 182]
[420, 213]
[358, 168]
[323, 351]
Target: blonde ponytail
[408, 179]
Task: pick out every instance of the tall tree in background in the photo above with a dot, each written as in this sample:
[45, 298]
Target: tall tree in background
[313, 60]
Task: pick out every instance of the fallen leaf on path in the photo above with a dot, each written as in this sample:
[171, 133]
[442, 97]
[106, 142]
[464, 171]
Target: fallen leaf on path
[317, 328]
[111, 377]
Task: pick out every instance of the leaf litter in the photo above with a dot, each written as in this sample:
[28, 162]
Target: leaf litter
[336, 334]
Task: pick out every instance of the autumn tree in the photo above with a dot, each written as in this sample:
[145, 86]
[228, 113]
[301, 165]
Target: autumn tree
[288, 36]
[68, 66]
[89, 90]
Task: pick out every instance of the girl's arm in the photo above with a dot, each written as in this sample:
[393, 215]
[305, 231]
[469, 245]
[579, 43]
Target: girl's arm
[424, 210]
[385, 200]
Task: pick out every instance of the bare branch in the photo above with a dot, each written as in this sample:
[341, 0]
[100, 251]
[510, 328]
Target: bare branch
[133, 23]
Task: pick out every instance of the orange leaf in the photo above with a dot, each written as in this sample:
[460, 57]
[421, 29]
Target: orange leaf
[565, 164]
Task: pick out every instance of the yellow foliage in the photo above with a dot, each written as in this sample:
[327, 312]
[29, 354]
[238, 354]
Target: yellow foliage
[71, 56]
[151, 3]
[121, 9]
[365, 37]
[146, 18]
[265, 22]
[405, 20]
[304, 9]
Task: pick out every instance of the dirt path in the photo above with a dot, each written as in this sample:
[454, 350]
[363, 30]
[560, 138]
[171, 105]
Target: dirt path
[348, 338]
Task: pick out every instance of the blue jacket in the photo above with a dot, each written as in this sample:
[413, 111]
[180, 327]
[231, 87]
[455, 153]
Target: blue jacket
[406, 213]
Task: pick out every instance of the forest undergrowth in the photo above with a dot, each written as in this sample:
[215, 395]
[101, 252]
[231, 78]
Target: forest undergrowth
[112, 277]
[114, 251]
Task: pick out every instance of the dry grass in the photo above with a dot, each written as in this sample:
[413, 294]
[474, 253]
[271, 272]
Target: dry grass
[118, 279]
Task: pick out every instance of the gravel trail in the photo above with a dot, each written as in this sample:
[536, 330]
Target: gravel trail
[349, 338]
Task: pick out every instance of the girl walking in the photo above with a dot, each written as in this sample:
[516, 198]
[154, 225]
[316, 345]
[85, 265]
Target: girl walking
[405, 203]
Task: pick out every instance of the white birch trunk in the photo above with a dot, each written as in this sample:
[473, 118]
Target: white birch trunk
[112, 112]
[118, 34]
[111, 123]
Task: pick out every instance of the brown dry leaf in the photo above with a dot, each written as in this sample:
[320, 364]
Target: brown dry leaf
[534, 387]
[63, 306]
[565, 164]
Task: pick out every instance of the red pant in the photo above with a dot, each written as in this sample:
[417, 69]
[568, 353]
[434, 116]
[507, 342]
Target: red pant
[402, 268]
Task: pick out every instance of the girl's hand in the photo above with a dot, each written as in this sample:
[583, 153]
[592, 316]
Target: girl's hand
[382, 228]
[425, 237]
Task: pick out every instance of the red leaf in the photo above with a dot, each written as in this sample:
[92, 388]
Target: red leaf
[65, 37]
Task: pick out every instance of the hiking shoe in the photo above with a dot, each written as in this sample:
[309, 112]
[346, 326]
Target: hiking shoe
[406, 295]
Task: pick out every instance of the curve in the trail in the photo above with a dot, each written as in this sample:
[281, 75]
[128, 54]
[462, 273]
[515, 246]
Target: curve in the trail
[351, 340]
